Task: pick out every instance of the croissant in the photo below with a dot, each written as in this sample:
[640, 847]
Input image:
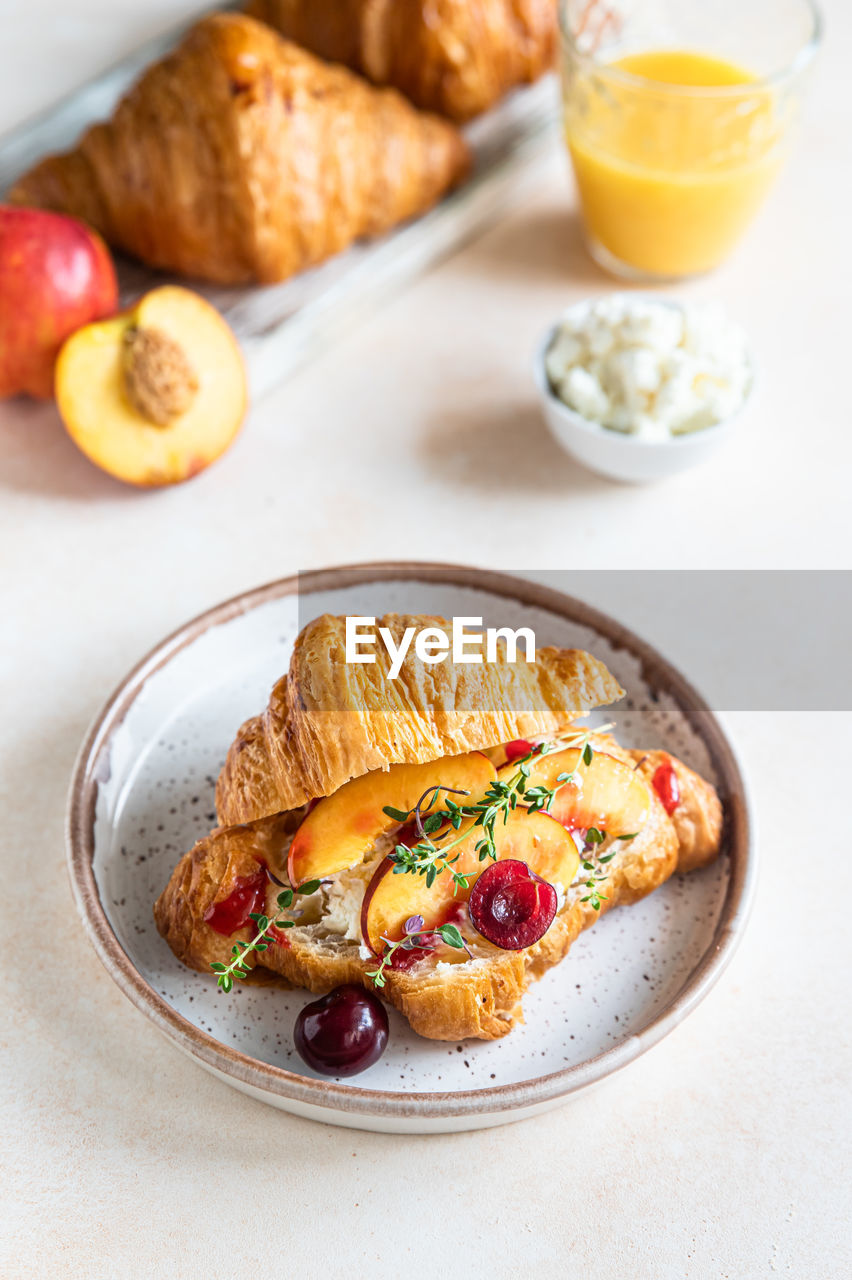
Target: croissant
[240, 157]
[481, 999]
[328, 721]
[456, 57]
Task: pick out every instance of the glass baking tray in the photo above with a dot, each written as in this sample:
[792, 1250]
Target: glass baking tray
[281, 325]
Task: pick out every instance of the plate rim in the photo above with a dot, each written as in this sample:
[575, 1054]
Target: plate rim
[328, 1095]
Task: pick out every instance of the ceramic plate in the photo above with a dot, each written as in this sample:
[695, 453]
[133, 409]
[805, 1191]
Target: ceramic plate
[142, 793]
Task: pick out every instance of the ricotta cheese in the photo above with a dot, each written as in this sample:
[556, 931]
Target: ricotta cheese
[650, 368]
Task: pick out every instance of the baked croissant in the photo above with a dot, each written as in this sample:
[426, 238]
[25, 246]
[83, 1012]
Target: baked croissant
[328, 721]
[442, 1000]
[240, 157]
[456, 57]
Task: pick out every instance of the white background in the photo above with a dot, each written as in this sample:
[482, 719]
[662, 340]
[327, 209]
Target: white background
[721, 1153]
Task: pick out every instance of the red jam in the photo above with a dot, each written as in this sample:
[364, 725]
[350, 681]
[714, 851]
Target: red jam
[457, 914]
[517, 750]
[407, 835]
[404, 960]
[233, 912]
[278, 936]
[667, 786]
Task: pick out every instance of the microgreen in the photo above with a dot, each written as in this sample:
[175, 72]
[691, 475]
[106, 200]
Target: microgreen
[414, 938]
[432, 855]
[260, 942]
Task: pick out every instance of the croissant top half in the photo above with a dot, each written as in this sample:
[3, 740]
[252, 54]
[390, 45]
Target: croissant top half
[242, 157]
[328, 720]
[456, 57]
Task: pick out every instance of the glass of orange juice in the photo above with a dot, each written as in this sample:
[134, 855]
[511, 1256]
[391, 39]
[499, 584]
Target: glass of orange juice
[676, 117]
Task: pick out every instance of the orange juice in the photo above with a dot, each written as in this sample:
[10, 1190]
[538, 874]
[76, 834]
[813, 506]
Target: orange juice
[669, 172]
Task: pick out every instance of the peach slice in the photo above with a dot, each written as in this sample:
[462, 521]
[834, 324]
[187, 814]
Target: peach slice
[391, 897]
[155, 394]
[343, 828]
[606, 793]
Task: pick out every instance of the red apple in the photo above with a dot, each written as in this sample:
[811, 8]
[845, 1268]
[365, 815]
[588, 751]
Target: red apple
[56, 274]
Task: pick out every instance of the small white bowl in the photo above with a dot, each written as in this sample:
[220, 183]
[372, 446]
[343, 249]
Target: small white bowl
[616, 454]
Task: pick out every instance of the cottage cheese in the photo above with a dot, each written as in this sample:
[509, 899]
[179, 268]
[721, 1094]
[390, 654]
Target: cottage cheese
[650, 368]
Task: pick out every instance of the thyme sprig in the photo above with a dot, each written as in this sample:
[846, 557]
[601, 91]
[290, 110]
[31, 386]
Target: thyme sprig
[595, 866]
[260, 942]
[432, 855]
[414, 938]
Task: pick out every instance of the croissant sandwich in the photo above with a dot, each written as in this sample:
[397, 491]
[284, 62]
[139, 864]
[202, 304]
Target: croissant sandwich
[240, 157]
[451, 827]
[456, 57]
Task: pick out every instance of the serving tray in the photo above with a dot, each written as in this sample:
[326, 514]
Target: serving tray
[279, 326]
[143, 793]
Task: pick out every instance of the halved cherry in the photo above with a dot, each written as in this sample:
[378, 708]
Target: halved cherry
[511, 906]
[533, 839]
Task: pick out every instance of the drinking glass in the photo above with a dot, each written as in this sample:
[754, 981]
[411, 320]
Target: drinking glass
[677, 116]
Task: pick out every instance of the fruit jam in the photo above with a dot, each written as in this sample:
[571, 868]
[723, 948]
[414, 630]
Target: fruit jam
[248, 897]
[667, 786]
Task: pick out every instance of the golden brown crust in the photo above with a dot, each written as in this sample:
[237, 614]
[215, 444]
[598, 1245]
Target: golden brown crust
[328, 721]
[241, 157]
[456, 57]
[480, 1000]
[697, 819]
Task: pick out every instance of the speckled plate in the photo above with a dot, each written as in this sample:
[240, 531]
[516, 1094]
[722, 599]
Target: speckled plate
[142, 793]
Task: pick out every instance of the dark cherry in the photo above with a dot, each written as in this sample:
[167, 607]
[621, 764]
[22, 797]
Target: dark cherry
[517, 750]
[667, 786]
[342, 1033]
[511, 906]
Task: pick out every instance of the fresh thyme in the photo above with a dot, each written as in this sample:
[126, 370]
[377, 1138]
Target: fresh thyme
[260, 942]
[430, 858]
[597, 869]
[414, 938]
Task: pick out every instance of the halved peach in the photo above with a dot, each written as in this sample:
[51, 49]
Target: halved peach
[342, 828]
[391, 897]
[156, 394]
[606, 793]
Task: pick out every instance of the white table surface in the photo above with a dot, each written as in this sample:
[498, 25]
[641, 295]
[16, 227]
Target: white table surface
[724, 1151]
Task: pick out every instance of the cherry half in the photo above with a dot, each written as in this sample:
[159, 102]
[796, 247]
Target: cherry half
[342, 1033]
[511, 906]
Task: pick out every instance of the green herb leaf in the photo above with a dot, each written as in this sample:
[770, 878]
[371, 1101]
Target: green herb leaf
[451, 935]
[398, 815]
[310, 886]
